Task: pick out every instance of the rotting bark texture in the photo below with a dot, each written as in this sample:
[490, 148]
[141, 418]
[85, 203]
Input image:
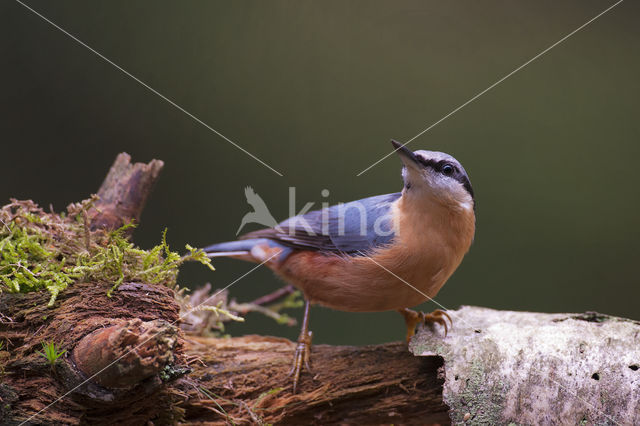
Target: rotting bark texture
[506, 367]
[246, 378]
[81, 310]
[124, 192]
[124, 354]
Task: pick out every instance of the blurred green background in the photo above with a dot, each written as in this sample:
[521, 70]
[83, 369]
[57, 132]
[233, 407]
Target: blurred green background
[316, 90]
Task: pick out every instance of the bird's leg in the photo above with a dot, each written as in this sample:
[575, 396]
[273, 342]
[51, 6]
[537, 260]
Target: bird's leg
[303, 349]
[413, 318]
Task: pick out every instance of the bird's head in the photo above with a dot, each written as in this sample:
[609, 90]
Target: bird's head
[436, 175]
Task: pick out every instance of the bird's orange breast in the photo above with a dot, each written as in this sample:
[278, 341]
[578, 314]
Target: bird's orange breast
[430, 242]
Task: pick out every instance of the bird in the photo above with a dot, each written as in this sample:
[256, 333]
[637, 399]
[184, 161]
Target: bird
[381, 253]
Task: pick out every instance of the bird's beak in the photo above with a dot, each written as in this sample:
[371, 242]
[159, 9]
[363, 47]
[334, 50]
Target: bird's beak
[406, 155]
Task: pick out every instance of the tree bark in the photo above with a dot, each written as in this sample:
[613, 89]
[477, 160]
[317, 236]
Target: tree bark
[129, 392]
[244, 380]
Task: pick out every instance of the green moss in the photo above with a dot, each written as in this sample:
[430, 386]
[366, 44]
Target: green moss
[51, 352]
[48, 252]
[171, 372]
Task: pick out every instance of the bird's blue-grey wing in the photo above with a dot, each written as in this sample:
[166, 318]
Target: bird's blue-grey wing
[363, 224]
[353, 227]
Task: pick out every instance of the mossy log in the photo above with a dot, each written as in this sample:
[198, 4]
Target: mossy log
[120, 350]
[129, 362]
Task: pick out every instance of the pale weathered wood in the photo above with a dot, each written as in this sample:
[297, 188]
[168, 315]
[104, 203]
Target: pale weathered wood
[532, 368]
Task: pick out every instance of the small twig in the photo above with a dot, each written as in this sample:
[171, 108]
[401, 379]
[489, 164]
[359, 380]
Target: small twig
[38, 330]
[212, 398]
[5, 225]
[190, 359]
[272, 297]
[87, 231]
[245, 308]
[20, 265]
[254, 417]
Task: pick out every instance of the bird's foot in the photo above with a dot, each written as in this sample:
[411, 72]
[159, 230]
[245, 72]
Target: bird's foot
[413, 318]
[301, 358]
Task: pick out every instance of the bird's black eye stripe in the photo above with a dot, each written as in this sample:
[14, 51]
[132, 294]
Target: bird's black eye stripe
[427, 163]
[442, 166]
[455, 173]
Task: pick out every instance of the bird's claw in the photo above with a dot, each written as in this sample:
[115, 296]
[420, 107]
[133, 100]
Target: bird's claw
[438, 317]
[301, 358]
[413, 318]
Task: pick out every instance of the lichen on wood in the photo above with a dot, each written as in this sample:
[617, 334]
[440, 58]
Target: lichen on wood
[506, 367]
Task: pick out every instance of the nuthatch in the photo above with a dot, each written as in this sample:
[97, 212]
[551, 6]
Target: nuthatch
[387, 252]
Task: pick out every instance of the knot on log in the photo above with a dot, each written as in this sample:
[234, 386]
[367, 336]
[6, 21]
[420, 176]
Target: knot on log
[126, 353]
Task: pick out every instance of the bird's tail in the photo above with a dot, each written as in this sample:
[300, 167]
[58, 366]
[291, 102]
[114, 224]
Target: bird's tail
[252, 250]
[232, 248]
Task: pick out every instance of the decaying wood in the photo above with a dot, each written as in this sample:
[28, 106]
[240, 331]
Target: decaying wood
[124, 192]
[246, 378]
[126, 353]
[128, 338]
[81, 310]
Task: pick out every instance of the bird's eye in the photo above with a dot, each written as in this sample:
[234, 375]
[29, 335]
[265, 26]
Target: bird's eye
[447, 170]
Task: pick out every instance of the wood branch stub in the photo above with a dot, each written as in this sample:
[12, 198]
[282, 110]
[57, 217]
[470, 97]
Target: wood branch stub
[247, 378]
[124, 192]
[124, 354]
